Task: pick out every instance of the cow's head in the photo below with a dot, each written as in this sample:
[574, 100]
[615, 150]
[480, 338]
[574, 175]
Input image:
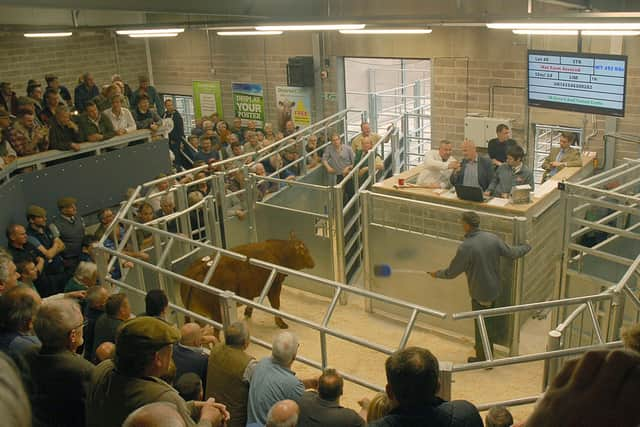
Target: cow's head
[301, 257]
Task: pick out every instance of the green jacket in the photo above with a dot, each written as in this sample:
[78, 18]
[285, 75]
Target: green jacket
[88, 127]
[113, 396]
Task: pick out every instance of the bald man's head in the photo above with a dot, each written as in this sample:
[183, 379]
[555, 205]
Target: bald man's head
[158, 414]
[191, 334]
[105, 351]
[469, 149]
[283, 414]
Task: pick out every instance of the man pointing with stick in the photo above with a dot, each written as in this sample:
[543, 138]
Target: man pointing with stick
[479, 258]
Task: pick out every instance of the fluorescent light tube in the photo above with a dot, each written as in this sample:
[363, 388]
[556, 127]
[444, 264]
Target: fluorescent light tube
[150, 31]
[610, 33]
[311, 27]
[565, 26]
[249, 33]
[47, 34]
[547, 32]
[389, 31]
[141, 36]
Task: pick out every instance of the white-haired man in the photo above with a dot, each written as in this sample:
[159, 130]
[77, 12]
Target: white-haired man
[273, 380]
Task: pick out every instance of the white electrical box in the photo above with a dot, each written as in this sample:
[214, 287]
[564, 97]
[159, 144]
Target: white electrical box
[481, 129]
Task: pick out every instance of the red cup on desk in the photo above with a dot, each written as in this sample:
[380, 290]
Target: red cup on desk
[400, 181]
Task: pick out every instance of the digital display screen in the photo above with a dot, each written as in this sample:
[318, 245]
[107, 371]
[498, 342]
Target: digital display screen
[582, 82]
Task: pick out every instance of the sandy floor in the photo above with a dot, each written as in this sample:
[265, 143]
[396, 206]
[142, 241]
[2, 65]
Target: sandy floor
[477, 386]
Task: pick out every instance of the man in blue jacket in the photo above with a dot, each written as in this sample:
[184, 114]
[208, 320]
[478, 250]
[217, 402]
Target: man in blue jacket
[474, 170]
[478, 256]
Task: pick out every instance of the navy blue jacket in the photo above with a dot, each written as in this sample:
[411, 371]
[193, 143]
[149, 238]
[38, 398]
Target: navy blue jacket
[188, 360]
[458, 413]
[485, 172]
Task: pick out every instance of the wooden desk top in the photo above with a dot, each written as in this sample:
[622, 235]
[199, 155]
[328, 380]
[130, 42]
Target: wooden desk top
[543, 194]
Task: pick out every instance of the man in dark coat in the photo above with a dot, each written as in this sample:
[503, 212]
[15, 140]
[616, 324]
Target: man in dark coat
[188, 356]
[474, 170]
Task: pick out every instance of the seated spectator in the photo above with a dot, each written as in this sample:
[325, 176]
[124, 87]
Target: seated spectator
[120, 117]
[223, 132]
[159, 187]
[8, 98]
[145, 215]
[190, 149]
[168, 207]
[132, 379]
[18, 307]
[498, 416]
[28, 274]
[412, 384]
[116, 310]
[86, 276]
[125, 89]
[51, 101]
[97, 297]
[206, 151]
[36, 93]
[144, 117]
[103, 101]
[155, 414]
[8, 272]
[60, 376]
[631, 337]
[94, 125]
[229, 372]
[252, 145]
[275, 163]
[322, 408]
[85, 92]
[289, 156]
[283, 414]
[236, 128]
[105, 351]
[15, 409]
[365, 128]
[260, 138]
[269, 136]
[313, 158]
[262, 186]
[338, 158]
[64, 133]
[561, 157]
[599, 389]
[26, 136]
[366, 145]
[146, 90]
[189, 387]
[29, 105]
[22, 250]
[377, 408]
[53, 84]
[510, 174]
[87, 254]
[290, 128]
[273, 380]
[70, 227]
[156, 304]
[198, 130]
[188, 354]
[7, 154]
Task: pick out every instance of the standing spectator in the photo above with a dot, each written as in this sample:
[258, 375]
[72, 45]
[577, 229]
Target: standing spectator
[497, 147]
[8, 273]
[283, 414]
[273, 380]
[322, 408]
[120, 117]
[365, 147]
[34, 91]
[14, 403]
[156, 304]
[97, 297]
[145, 89]
[49, 246]
[313, 157]
[85, 92]
[51, 101]
[338, 158]
[8, 98]
[144, 117]
[188, 354]
[63, 93]
[412, 382]
[103, 101]
[206, 151]
[29, 105]
[125, 88]
[94, 125]
[365, 128]
[64, 133]
[70, 227]
[18, 306]
[478, 257]
[60, 376]
[378, 407]
[85, 277]
[176, 136]
[26, 136]
[229, 372]
[22, 250]
[132, 379]
[189, 387]
[116, 310]
[7, 153]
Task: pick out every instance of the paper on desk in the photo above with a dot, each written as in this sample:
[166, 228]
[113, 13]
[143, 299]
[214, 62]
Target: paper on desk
[545, 188]
[497, 201]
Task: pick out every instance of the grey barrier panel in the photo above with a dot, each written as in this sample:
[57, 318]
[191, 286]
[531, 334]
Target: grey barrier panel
[96, 181]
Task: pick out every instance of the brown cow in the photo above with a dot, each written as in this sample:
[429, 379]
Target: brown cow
[244, 279]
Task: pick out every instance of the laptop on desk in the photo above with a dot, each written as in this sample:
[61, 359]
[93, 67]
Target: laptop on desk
[472, 194]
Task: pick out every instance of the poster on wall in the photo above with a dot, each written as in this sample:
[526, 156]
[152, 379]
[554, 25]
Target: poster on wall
[294, 103]
[207, 98]
[248, 103]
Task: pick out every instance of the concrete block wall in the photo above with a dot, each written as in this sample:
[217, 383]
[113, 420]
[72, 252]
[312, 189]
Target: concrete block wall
[23, 59]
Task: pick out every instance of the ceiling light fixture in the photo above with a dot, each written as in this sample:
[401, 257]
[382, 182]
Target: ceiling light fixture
[547, 32]
[610, 33]
[141, 36]
[249, 33]
[150, 31]
[389, 31]
[66, 34]
[615, 26]
[311, 27]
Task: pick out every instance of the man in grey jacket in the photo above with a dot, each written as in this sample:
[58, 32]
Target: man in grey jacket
[479, 258]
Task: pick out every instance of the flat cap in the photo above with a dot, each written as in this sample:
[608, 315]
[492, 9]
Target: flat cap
[35, 210]
[65, 202]
[145, 332]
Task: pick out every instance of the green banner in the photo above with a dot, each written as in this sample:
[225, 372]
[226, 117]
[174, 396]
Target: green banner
[248, 103]
[207, 98]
